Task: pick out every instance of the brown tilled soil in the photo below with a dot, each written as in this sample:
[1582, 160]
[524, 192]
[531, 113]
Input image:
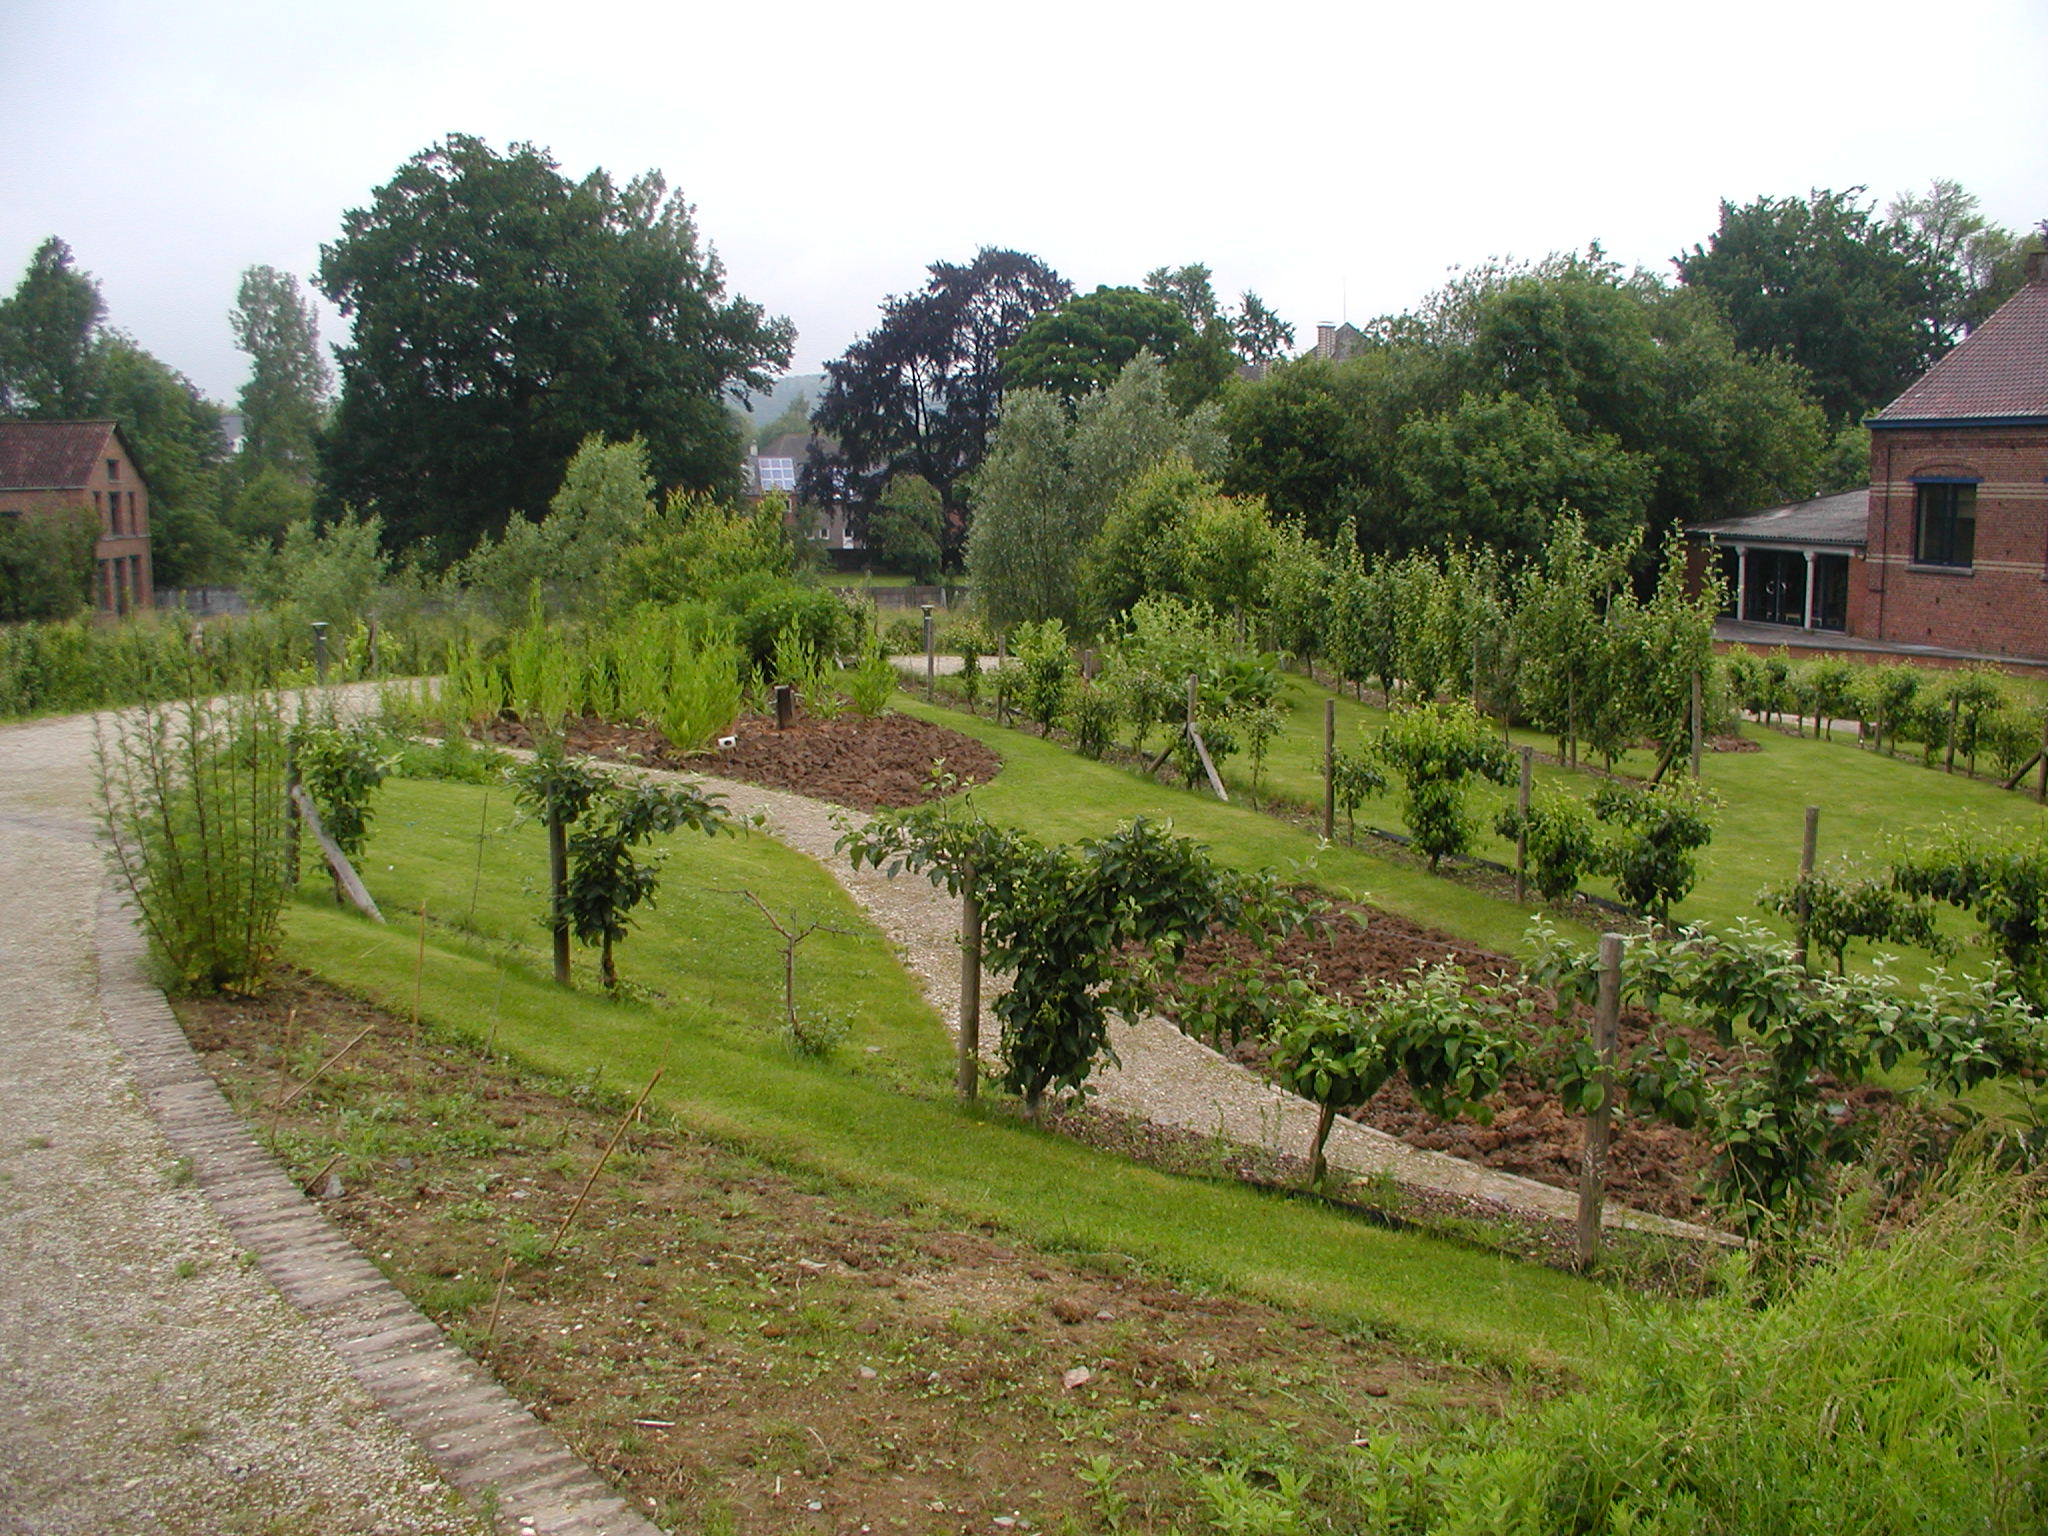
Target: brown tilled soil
[746, 1352]
[868, 762]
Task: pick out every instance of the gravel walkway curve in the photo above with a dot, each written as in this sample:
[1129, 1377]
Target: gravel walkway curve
[1162, 1075]
[153, 1378]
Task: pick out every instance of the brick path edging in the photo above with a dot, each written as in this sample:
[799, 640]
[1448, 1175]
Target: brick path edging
[469, 1426]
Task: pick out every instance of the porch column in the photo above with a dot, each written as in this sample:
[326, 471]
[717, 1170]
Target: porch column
[1810, 570]
[1741, 582]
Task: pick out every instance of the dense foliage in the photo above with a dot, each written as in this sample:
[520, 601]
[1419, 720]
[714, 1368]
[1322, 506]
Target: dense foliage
[500, 314]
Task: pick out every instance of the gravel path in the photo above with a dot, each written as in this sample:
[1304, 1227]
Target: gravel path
[1162, 1075]
[154, 1377]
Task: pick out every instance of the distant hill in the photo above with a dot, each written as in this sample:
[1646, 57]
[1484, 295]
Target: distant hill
[771, 405]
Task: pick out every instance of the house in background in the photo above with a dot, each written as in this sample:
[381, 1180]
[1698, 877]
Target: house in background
[1950, 552]
[48, 468]
[773, 471]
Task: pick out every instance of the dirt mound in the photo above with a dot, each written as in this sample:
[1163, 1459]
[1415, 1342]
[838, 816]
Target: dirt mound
[869, 762]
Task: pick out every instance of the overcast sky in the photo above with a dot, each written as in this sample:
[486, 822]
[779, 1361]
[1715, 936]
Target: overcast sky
[1338, 159]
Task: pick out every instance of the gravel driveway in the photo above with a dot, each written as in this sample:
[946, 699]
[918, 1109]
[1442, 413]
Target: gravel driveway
[151, 1379]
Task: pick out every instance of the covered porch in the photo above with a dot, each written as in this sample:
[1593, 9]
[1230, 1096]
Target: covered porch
[1788, 567]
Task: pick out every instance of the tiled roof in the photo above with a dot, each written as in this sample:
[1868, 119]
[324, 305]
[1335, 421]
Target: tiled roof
[1998, 370]
[1842, 519]
[50, 455]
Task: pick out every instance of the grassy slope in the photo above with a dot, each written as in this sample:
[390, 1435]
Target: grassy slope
[1059, 796]
[883, 1117]
[1867, 801]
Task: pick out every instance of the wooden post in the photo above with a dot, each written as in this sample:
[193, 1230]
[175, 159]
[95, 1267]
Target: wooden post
[1809, 845]
[1606, 1034]
[558, 887]
[1522, 798]
[320, 653]
[1953, 706]
[1699, 721]
[347, 883]
[1201, 746]
[931, 657]
[785, 706]
[968, 1077]
[2041, 793]
[1329, 768]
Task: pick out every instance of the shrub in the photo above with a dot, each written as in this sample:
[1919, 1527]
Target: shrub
[1048, 665]
[1656, 833]
[193, 803]
[1094, 716]
[341, 767]
[1435, 750]
[1563, 842]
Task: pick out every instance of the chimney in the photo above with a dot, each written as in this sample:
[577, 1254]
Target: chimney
[1326, 340]
[2037, 267]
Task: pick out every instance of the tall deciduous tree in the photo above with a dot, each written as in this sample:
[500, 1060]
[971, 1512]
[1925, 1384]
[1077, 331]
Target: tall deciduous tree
[919, 394]
[905, 528]
[1520, 388]
[1975, 265]
[176, 434]
[1050, 480]
[48, 331]
[286, 398]
[1824, 281]
[1084, 344]
[501, 313]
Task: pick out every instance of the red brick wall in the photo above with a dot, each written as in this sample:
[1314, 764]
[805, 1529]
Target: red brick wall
[124, 577]
[1999, 604]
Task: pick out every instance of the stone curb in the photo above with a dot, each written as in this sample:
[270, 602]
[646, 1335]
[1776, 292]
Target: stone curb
[469, 1426]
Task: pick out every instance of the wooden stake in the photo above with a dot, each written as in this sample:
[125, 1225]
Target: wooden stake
[968, 1075]
[313, 1183]
[497, 1301]
[1593, 1166]
[321, 1071]
[1809, 845]
[558, 885]
[1329, 769]
[1522, 798]
[1699, 722]
[347, 883]
[610, 1147]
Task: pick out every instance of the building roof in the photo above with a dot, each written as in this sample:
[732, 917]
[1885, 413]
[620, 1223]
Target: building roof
[1998, 372]
[51, 455]
[1842, 520]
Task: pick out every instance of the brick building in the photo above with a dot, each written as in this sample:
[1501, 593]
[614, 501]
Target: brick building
[1952, 549]
[48, 468]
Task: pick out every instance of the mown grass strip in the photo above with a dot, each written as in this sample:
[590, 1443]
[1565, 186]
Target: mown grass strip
[880, 1118]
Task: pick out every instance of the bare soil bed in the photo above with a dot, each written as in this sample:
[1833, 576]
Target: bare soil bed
[744, 1351]
[871, 762]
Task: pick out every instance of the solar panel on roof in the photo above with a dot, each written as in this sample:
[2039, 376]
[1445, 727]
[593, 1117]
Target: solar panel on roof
[778, 474]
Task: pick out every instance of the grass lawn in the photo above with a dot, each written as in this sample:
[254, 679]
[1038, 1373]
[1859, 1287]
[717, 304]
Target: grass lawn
[1059, 796]
[879, 1115]
[1869, 802]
